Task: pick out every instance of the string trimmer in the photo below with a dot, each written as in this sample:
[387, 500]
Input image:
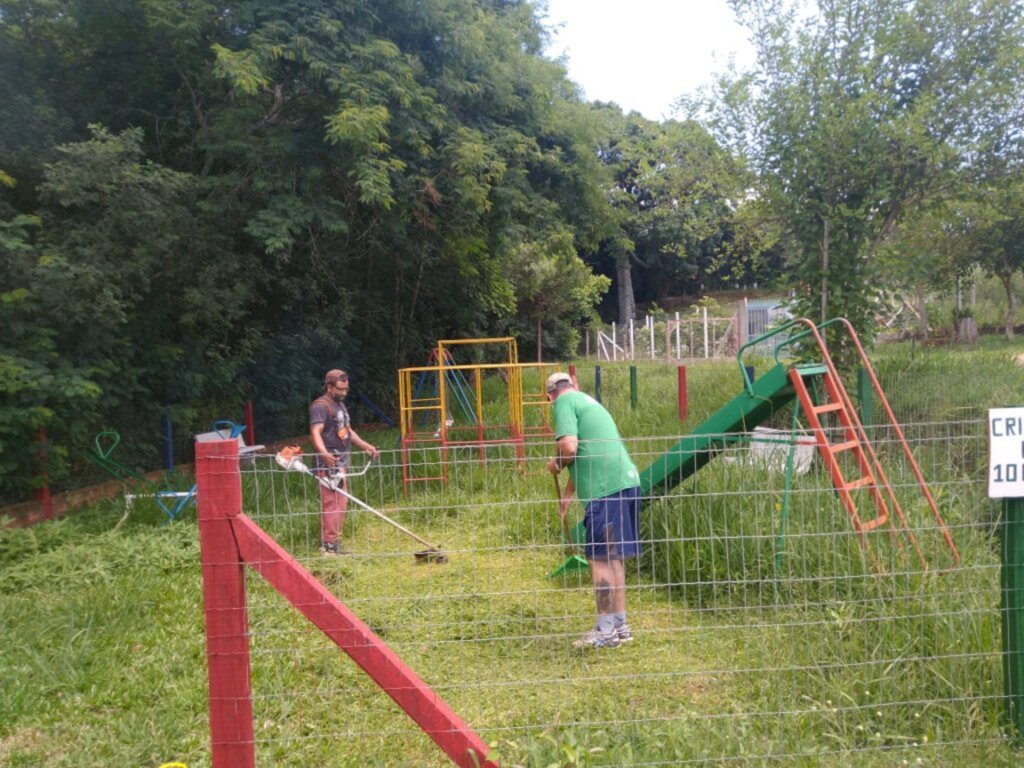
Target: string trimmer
[289, 458]
[574, 562]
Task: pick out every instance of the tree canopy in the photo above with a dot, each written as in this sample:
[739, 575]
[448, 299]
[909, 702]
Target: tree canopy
[861, 113]
[205, 202]
[209, 201]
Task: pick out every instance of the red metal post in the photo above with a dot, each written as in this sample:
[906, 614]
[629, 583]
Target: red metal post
[219, 497]
[43, 492]
[682, 393]
[250, 424]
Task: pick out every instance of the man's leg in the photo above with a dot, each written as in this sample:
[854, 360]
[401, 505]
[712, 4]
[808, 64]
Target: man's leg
[609, 577]
[609, 592]
[611, 536]
[332, 515]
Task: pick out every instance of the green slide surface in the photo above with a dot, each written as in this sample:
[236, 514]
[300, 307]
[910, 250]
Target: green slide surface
[771, 392]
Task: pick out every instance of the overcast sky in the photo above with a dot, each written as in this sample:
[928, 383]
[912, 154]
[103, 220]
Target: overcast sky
[644, 54]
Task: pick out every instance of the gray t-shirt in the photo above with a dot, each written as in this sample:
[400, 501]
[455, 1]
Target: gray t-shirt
[337, 435]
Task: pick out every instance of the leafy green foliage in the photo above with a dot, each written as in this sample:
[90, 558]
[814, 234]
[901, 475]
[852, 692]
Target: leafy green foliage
[551, 282]
[268, 190]
[676, 201]
[859, 112]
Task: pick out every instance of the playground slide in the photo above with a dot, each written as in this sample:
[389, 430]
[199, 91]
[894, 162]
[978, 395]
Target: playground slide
[765, 396]
[771, 392]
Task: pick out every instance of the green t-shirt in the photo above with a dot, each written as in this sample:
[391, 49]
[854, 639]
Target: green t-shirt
[602, 466]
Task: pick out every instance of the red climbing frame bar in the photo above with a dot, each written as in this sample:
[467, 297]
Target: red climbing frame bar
[250, 423]
[229, 539]
[219, 497]
[911, 461]
[43, 491]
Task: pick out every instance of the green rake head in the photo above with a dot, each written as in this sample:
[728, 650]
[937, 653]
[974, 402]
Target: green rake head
[571, 564]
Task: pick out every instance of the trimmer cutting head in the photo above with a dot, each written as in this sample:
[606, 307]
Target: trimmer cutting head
[431, 556]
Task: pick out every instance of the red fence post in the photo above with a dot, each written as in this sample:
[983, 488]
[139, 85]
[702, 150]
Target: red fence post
[682, 393]
[314, 601]
[43, 492]
[219, 497]
[250, 424]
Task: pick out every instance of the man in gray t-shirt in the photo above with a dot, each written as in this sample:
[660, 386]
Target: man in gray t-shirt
[333, 437]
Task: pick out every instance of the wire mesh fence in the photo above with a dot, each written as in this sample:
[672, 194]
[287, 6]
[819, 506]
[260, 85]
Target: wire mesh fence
[766, 630]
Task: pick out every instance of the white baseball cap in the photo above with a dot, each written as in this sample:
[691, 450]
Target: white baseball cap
[557, 378]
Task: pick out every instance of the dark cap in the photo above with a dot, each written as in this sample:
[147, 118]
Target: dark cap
[333, 376]
[557, 380]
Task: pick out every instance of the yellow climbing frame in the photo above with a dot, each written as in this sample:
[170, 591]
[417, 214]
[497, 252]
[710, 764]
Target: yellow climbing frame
[526, 411]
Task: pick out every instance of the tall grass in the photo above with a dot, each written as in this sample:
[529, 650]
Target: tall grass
[758, 643]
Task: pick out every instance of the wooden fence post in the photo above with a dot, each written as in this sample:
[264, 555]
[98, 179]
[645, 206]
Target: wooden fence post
[219, 497]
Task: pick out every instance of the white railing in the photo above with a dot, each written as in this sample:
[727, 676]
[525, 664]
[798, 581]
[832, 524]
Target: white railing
[697, 336]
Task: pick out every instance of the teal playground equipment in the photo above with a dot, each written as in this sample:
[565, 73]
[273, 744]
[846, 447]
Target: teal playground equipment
[102, 455]
[171, 502]
[815, 386]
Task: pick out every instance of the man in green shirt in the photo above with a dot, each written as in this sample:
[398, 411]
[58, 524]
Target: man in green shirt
[608, 485]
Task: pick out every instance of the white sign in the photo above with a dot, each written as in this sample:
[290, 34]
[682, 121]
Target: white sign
[1006, 453]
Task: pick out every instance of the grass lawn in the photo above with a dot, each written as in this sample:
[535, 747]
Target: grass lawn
[742, 656]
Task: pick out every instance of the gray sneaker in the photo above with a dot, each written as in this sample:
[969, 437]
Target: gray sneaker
[624, 632]
[333, 550]
[597, 639]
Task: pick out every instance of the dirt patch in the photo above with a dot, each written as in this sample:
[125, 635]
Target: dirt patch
[21, 741]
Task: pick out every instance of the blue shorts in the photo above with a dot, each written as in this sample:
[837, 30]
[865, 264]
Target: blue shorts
[613, 525]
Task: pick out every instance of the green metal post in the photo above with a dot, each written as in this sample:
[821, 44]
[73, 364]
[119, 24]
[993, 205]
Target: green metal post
[865, 395]
[632, 387]
[1012, 609]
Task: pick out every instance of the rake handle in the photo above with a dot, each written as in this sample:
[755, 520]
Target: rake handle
[565, 522]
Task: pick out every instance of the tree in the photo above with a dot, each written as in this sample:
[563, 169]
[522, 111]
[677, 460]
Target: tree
[1000, 237]
[28, 357]
[860, 112]
[675, 193]
[279, 188]
[932, 249]
[552, 283]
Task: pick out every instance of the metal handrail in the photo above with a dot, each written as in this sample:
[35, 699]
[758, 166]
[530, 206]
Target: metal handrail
[747, 383]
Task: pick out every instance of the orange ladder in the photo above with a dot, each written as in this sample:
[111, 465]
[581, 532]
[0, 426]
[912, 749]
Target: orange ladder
[870, 475]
